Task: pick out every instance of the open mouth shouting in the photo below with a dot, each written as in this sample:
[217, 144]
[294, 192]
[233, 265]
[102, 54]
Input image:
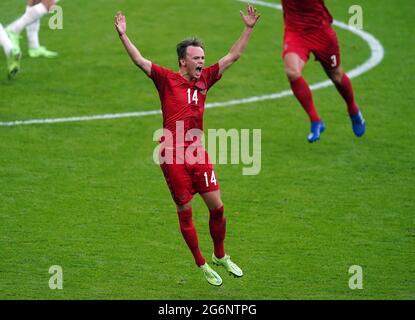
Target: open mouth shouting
[198, 71]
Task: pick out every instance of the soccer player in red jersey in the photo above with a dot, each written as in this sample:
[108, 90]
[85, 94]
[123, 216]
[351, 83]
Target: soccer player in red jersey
[308, 29]
[182, 95]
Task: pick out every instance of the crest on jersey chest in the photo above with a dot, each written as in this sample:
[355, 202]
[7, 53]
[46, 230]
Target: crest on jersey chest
[201, 86]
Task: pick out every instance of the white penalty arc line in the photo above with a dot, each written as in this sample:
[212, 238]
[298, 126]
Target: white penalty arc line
[377, 54]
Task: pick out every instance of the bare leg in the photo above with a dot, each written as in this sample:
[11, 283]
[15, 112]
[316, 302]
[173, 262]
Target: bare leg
[212, 199]
[31, 3]
[293, 66]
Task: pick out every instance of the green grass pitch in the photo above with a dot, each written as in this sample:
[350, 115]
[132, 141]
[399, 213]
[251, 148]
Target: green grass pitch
[87, 196]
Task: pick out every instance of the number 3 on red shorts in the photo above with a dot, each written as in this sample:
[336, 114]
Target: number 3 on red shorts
[333, 60]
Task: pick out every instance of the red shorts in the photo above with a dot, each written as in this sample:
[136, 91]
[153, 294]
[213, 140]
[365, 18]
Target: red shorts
[185, 179]
[322, 43]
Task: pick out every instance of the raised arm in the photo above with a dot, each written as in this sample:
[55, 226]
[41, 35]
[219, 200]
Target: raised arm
[236, 51]
[133, 52]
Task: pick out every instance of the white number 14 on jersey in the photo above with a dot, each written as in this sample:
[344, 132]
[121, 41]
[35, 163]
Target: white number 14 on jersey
[191, 98]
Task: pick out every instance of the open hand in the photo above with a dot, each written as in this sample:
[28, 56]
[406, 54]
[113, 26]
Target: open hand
[120, 23]
[251, 18]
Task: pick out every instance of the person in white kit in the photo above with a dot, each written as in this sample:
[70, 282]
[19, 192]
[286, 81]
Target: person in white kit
[13, 54]
[30, 21]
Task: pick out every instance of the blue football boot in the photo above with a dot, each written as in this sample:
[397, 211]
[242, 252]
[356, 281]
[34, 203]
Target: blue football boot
[358, 124]
[317, 127]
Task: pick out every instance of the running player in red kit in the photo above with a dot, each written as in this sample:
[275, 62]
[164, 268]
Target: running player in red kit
[308, 29]
[182, 95]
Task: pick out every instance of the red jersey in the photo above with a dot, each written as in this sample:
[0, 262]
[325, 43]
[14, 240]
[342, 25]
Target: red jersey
[183, 100]
[305, 15]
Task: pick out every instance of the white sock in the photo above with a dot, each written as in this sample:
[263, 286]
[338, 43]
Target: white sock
[31, 15]
[32, 31]
[5, 41]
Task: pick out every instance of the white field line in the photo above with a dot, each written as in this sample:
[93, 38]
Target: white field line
[377, 54]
